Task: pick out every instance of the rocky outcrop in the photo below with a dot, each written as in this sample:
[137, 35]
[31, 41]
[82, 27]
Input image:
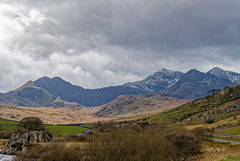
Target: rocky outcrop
[234, 107]
[209, 114]
[20, 143]
[40, 136]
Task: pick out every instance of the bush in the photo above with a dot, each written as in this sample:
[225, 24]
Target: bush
[162, 144]
[53, 152]
[203, 134]
[183, 145]
[209, 121]
[119, 146]
[105, 127]
[31, 123]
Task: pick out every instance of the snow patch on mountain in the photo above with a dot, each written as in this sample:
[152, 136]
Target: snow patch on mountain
[232, 76]
[158, 81]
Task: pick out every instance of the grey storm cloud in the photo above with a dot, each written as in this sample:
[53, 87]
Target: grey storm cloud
[98, 43]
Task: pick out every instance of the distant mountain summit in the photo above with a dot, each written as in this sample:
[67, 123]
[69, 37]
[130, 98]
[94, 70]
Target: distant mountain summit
[195, 84]
[57, 92]
[158, 81]
[30, 95]
[232, 76]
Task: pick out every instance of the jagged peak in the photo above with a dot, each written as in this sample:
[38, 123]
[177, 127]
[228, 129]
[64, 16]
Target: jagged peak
[194, 71]
[164, 70]
[216, 69]
[29, 84]
[43, 78]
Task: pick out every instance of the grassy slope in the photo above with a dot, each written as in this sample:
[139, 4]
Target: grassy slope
[197, 108]
[232, 158]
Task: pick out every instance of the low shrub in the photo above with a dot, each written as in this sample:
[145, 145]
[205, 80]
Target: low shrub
[53, 152]
[209, 121]
[164, 144]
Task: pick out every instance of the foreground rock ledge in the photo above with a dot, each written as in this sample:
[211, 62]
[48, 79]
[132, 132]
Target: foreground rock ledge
[20, 143]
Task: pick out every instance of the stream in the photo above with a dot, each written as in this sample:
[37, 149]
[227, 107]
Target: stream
[6, 157]
[225, 141]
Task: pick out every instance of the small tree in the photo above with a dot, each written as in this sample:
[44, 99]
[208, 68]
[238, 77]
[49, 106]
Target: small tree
[31, 123]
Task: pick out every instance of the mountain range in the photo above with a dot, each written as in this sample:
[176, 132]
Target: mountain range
[56, 92]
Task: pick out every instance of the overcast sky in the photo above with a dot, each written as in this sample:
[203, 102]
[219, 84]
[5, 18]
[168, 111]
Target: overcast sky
[97, 43]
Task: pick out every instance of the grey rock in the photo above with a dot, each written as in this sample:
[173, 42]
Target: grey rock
[231, 108]
[209, 114]
[20, 143]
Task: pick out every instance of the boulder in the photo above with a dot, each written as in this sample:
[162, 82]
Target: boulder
[20, 143]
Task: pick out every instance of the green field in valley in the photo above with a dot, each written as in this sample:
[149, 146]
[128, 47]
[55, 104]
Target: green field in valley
[8, 125]
[53, 129]
[230, 131]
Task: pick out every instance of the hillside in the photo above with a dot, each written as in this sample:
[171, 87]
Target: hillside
[223, 108]
[130, 106]
[48, 115]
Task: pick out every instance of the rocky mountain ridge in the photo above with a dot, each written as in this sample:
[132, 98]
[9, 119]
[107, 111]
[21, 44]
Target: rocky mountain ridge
[195, 84]
[56, 92]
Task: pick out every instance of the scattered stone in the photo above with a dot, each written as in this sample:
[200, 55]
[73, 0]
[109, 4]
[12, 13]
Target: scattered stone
[209, 114]
[234, 107]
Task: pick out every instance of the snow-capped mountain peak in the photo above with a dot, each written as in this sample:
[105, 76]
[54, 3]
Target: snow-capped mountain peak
[232, 76]
[158, 81]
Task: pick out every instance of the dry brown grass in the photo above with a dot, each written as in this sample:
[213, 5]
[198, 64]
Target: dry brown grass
[217, 151]
[48, 115]
[3, 143]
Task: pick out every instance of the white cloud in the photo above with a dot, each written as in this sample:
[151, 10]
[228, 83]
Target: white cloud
[98, 43]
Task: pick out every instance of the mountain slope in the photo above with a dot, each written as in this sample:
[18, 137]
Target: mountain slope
[94, 97]
[88, 97]
[195, 84]
[30, 95]
[158, 81]
[129, 106]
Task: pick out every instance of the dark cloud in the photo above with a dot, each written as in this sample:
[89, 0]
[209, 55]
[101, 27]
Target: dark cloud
[97, 43]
